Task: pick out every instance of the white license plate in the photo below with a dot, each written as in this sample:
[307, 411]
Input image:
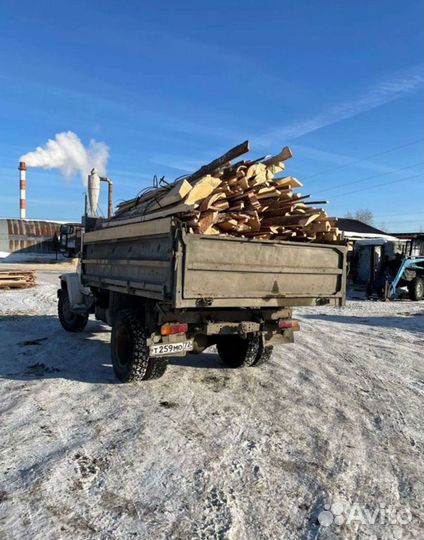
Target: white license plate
[168, 349]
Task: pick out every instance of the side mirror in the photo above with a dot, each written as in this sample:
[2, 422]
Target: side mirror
[66, 229]
[63, 241]
[69, 240]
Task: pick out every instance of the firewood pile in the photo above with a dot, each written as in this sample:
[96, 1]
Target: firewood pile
[249, 199]
[17, 279]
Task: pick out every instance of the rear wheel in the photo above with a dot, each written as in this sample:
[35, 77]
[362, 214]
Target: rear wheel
[130, 352]
[72, 322]
[416, 288]
[264, 354]
[238, 352]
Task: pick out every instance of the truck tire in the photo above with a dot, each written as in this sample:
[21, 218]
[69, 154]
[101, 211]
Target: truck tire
[238, 352]
[416, 288]
[130, 353]
[264, 354]
[72, 322]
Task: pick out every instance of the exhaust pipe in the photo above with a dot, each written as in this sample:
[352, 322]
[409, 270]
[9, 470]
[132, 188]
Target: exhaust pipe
[109, 195]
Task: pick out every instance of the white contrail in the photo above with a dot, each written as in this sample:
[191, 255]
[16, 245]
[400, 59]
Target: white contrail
[67, 153]
[401, 84]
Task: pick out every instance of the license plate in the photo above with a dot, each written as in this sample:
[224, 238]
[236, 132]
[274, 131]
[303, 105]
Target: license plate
[168, 349]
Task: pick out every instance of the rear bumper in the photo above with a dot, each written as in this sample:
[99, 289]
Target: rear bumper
[207, 334]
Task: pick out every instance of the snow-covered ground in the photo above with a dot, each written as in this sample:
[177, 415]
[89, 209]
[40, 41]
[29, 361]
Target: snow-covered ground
[208, 452]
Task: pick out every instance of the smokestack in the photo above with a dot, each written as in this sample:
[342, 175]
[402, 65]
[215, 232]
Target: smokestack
[22, 187]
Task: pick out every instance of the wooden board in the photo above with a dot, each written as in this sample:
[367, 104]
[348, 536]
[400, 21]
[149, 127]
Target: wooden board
[289, 181]
[202, 189]
[176, 194]
[245, 200]
[219, 162]
[133, 230]
[285, 154]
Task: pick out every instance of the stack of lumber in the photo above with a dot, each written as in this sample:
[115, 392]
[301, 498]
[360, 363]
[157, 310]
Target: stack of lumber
[16, 279]
[250, 199]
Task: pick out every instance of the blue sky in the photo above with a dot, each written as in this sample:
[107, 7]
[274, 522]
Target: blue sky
[171, 85]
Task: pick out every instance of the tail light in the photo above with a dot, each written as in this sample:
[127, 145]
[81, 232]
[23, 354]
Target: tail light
[287, 324]
[171, 328]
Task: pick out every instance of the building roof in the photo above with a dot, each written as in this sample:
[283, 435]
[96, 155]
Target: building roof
[408, 235]
[354, 230]
[356, 226]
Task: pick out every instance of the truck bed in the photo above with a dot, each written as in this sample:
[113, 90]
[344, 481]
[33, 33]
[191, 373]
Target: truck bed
[158, 259]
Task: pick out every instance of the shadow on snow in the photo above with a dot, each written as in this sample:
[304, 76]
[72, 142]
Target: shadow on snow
[37, 347]
[412, 322]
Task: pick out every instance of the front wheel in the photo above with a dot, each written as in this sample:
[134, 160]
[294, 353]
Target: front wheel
[130, 352]
[416, 289]
[72, 322]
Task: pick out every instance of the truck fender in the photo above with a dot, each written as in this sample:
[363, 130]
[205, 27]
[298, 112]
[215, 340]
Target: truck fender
[72, 284]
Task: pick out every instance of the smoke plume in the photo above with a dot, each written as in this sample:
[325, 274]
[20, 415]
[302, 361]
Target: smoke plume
[67, 153]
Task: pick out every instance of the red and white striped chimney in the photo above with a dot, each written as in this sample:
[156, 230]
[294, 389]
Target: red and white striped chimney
[22, 186]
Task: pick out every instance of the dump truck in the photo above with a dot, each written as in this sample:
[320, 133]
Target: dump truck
[166, 292]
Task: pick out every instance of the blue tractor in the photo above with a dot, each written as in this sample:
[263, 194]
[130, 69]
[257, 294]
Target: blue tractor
[411, 274]
[403, 270]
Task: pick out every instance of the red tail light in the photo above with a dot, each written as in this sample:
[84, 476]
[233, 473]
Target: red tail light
[171, 328]
[286, 324]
